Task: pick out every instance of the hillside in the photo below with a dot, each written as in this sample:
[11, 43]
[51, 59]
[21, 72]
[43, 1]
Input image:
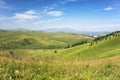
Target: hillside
[107, 46]
[38, 40]
[99, 61]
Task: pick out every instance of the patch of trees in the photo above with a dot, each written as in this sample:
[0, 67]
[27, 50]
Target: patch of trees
[106, 37]
[7, 46]
[77, 44]
[3, 31]
[27, 41]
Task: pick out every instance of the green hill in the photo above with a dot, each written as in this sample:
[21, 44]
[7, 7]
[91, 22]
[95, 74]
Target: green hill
[106, 47]
[99, 61]
[38, 40]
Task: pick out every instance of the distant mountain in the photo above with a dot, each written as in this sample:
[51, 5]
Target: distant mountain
[64, 30]
[94, 34]
[89, 33]
[67, 30]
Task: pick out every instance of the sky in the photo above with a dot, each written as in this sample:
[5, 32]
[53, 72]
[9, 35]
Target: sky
[81, 15]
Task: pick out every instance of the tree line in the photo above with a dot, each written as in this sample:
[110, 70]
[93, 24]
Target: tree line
[105, 37]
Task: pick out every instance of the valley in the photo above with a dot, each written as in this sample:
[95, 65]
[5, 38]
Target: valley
[99, 61]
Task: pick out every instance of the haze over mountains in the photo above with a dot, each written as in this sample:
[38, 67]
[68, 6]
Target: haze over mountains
[66, 30]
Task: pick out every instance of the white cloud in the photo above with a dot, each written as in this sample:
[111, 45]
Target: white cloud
[47, 8]
[51, 11]
[55, 13]
[31, 12]
[23, 17]
[109, 8]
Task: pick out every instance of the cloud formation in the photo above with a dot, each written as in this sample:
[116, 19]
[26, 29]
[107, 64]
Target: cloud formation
[55, 13]
[109, 8]
[23, 17]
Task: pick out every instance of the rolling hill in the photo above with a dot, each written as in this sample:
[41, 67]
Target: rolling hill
[38, 40]
[99, 61]
[107, 46]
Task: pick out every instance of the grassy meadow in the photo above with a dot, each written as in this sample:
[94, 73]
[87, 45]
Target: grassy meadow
[38, 40]
[99, 61]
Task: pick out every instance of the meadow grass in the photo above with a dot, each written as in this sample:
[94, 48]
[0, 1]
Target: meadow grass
[100, 61]
[38, 40]
[44, 65]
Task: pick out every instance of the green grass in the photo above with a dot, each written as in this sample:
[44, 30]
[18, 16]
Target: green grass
[21, 70]
[100, 61]
[103, 49]
[38, 40]
[39, 65]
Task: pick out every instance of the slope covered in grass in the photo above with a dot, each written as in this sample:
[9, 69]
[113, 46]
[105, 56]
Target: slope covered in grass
[13, 69]
[104, 48]
[100, 61]
[38, 40]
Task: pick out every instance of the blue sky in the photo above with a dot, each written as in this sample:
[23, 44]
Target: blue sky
[81, 15]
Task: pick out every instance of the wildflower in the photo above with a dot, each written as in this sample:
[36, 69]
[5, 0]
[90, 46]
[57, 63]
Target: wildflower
[16, 71]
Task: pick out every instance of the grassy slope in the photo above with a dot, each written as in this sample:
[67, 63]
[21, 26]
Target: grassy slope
[103, 49]
[39, 39]
[99, 62]
[41, 65]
